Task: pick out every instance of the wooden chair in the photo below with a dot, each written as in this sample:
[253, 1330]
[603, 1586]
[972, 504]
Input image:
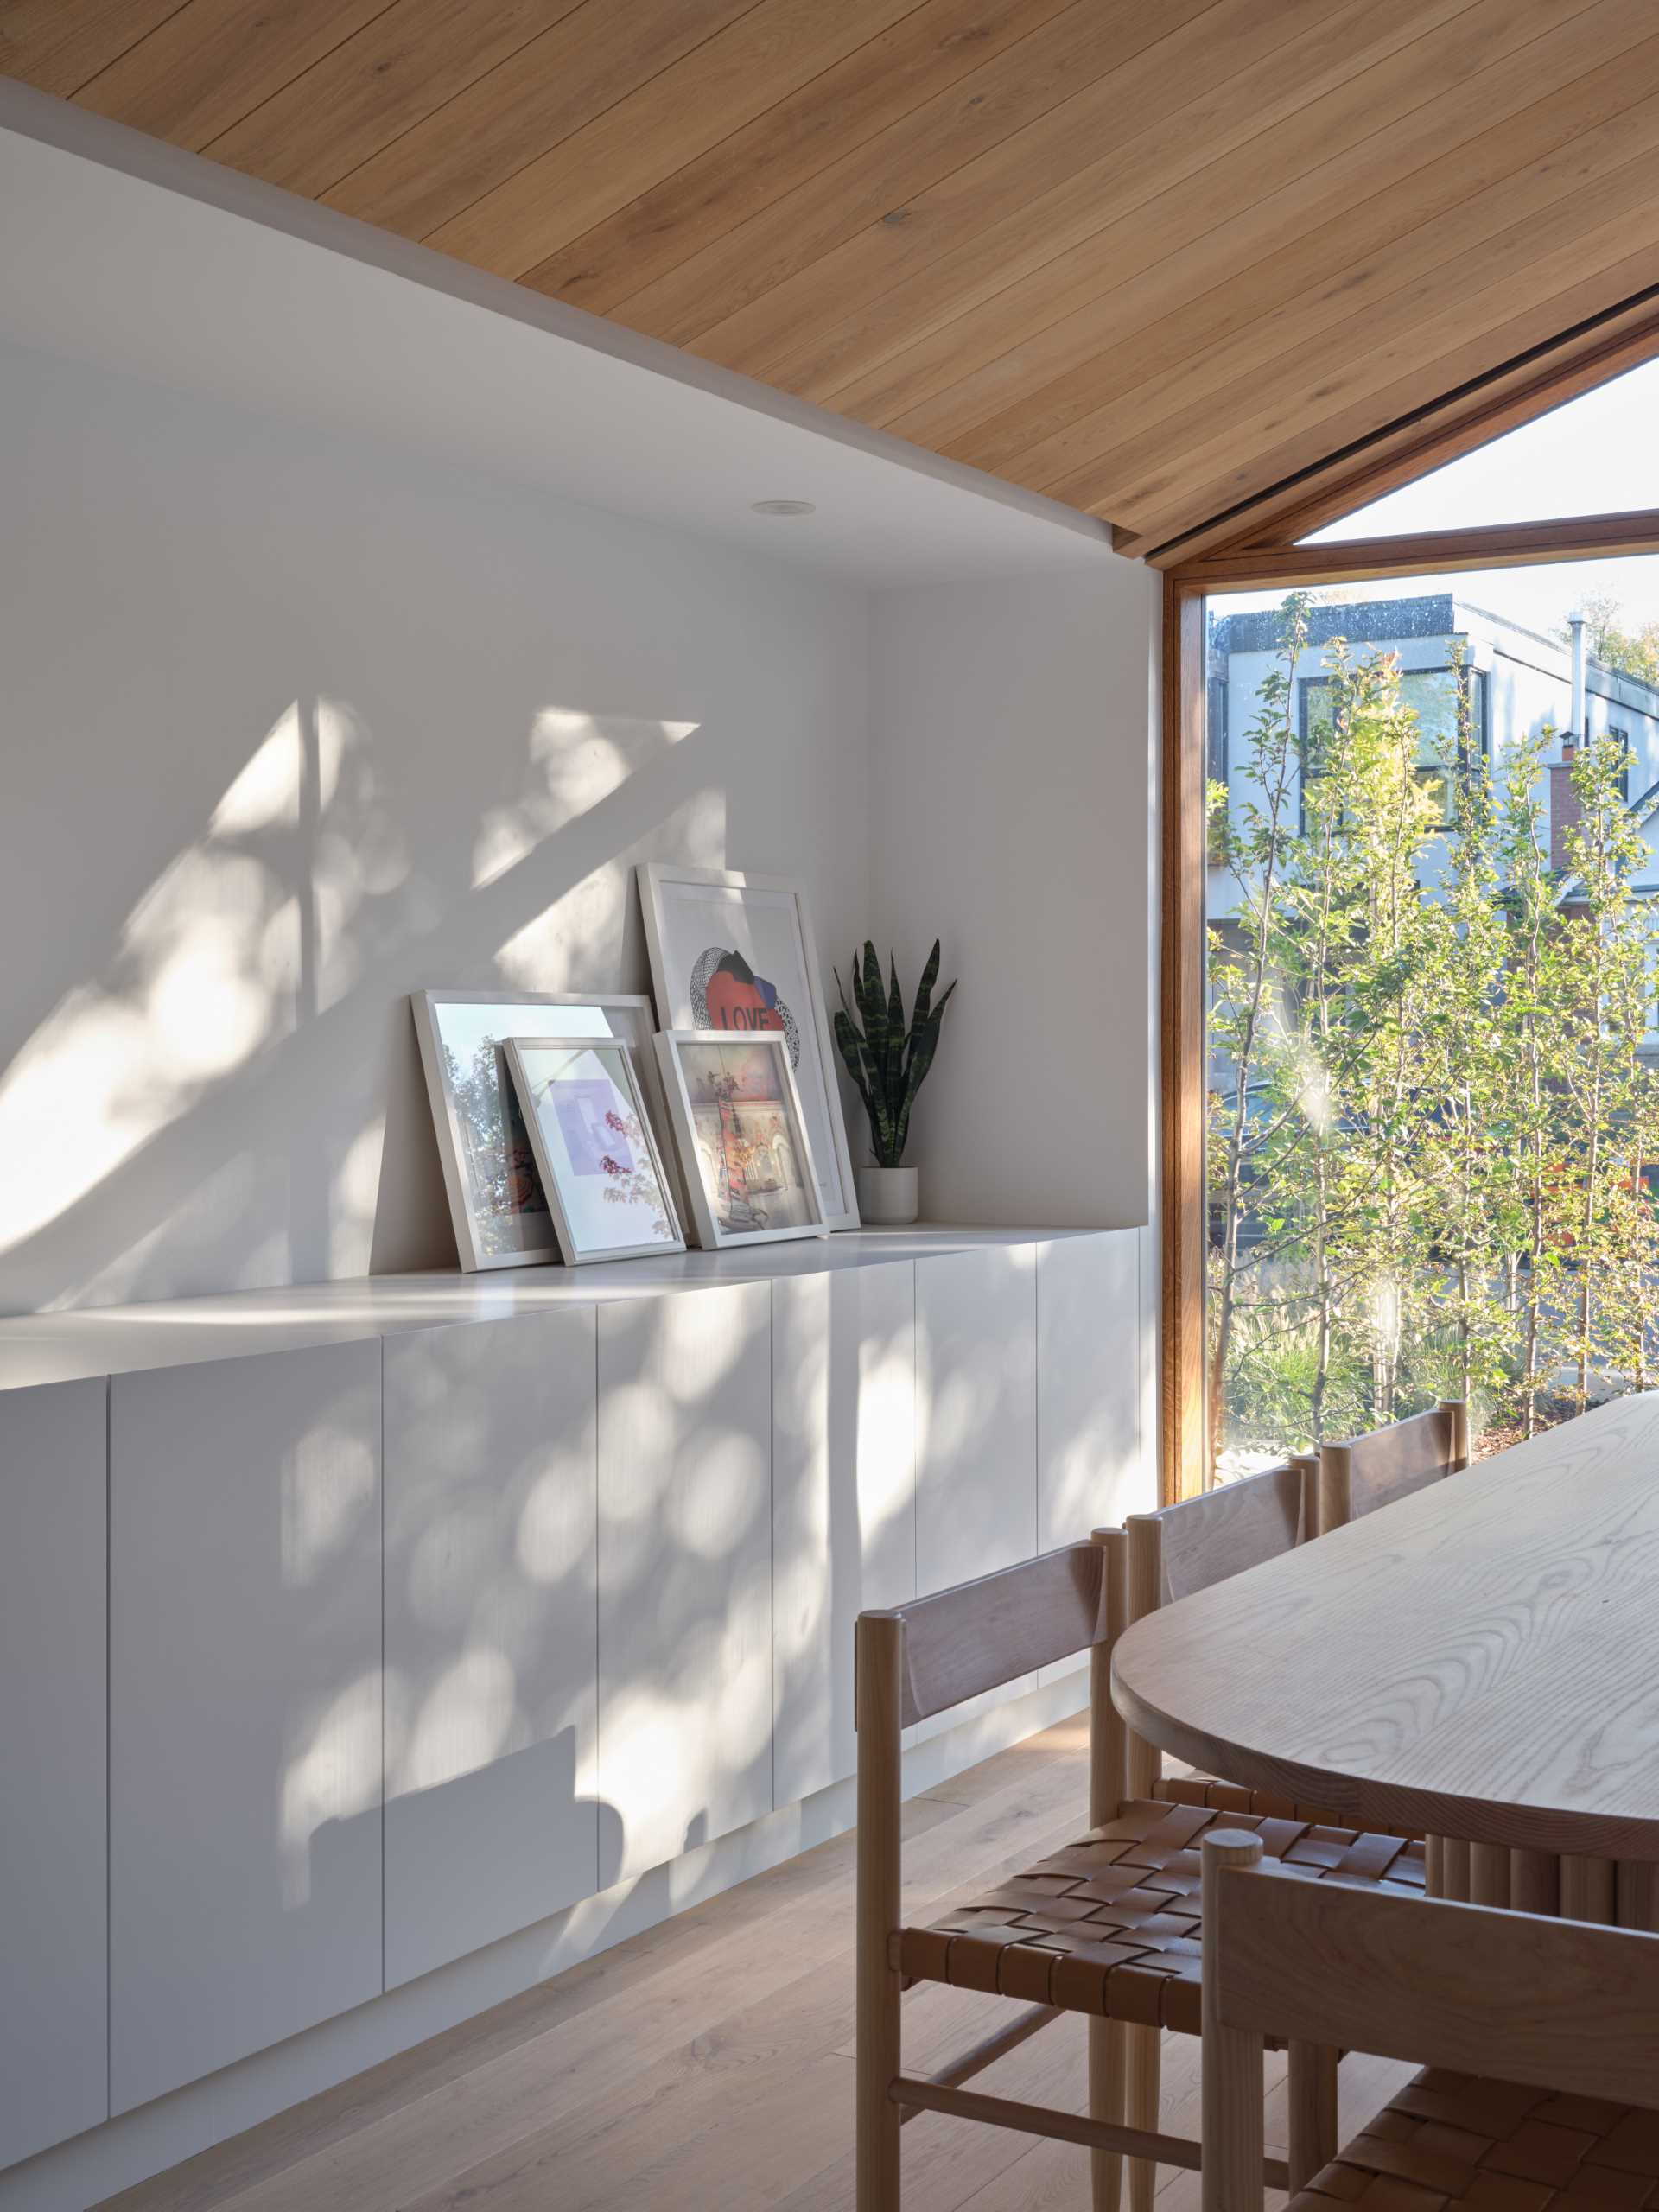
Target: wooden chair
[1109, 1926]
[1358, 1477]
[1174, 1554]
[1540, 2038]
[1204, 1540]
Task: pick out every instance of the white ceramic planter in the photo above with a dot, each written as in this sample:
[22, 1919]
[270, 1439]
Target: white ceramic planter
[888, 1197]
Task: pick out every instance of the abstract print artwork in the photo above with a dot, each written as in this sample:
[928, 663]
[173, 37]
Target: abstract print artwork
[585, 1121]
[726, 994]
[747, 1157]
[735, 953]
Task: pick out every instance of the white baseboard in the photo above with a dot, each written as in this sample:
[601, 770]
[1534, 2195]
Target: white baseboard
[94, 2166]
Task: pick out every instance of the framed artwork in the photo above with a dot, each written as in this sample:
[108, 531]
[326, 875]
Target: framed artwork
[595, 1154]
[501, 1216]
[737, 1119]
[736, 952]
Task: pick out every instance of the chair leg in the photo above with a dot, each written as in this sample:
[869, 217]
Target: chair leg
[1142, 2074]
[879, 1984]
[1106, 2089]
[877, 2118]
[1313, 2111]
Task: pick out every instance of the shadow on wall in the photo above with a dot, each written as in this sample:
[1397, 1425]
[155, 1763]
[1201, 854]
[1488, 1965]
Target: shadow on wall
[234, 1099]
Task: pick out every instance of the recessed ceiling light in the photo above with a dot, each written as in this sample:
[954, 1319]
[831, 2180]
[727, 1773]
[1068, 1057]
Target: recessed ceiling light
[782, 508]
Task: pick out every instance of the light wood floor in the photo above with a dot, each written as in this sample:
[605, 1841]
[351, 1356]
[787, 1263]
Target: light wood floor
[706, 2066]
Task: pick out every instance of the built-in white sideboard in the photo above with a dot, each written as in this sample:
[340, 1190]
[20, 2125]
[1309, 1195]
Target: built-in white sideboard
[346, 1631]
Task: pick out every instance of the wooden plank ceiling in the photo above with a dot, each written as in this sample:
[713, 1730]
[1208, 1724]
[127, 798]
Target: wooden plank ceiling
[1150, 257]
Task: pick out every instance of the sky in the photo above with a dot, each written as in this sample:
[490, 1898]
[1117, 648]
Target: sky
[1596, 454]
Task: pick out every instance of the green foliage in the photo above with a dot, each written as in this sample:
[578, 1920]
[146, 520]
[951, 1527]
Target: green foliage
[1429, 1119]
[888, 1058]
[1634, 652]
[1275, 1368]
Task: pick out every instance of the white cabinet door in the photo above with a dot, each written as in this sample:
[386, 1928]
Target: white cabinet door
[244, 1707]
[1091, 1465]
[491, 1632]
[684, 1572]
[977, 1412]
[844, 1492]
[53, 1950]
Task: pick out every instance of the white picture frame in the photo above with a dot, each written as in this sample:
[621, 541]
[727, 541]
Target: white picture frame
[695, 915]
[499, 1213]
[705, 1163]
[563, 1084]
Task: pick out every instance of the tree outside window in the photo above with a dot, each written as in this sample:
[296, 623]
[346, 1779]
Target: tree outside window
[1449, 705]
[1432, 1127]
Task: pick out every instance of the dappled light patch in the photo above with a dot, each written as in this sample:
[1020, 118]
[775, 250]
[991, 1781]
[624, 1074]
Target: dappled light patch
[333, 1773]
[468, 1717]
[236, 1038]
[721, 1487]
[330, 1481]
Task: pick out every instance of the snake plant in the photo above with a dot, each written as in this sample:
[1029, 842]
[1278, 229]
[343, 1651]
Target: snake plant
[889, 1056]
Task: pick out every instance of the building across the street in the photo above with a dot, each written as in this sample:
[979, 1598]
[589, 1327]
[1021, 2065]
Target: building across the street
[1519, 682]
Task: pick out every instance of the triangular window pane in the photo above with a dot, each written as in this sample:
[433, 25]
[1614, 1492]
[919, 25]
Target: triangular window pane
[1596, 454]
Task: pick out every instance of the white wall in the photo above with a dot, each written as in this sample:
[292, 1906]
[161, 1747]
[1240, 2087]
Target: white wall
[1012, 784]
[293, 724]
[291, 727]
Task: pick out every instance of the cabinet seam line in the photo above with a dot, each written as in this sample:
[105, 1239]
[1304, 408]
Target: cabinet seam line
[381, 1412]
[109, 1757]
[599, 1693]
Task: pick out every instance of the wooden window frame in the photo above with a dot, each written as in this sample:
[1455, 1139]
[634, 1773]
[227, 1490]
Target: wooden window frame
[1256, 551]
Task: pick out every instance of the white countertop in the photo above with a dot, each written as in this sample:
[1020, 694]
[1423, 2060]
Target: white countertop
[62, 1347]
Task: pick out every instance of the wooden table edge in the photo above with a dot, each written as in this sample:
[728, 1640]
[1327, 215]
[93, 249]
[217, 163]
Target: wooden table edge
[1364, 1802]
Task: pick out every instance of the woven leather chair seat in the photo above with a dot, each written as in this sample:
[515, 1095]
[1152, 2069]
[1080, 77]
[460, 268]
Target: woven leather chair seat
[1218, 1796]
[1231, 1797]
[1111, 1924]
[1452, 2140]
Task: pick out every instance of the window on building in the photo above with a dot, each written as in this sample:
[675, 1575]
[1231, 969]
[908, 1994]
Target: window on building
[1216, 763]
[1316, 713]
[1621, 738]
[1451, 730]
[1217, 730]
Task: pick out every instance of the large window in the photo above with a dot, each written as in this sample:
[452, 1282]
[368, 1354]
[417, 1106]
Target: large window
[1409, 1120]
[1433, 1075]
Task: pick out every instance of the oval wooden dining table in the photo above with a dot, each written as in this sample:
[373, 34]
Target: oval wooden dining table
[1479, 1660]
